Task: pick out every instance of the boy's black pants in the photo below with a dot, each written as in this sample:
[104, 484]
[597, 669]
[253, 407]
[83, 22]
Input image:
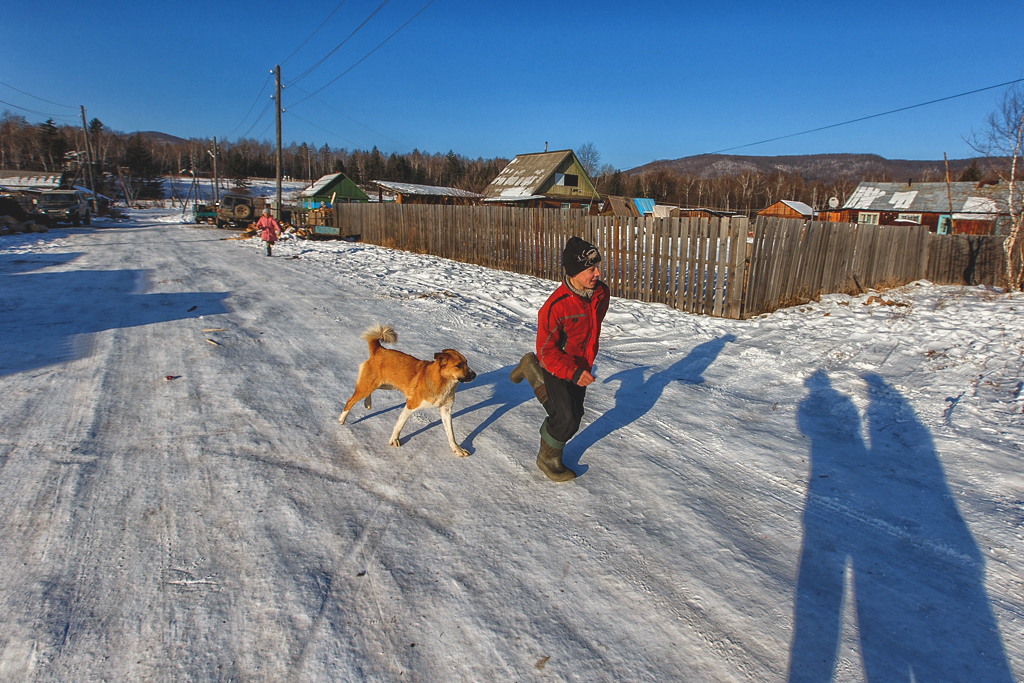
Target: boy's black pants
[565, 408]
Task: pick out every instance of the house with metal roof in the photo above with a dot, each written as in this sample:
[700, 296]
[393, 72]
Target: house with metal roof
[788, 208]
[408, 193]
[554, 180]
[31, 180]
[960, 208]
[331, 189]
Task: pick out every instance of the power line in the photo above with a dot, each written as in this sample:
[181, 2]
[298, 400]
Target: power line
[336, 47]
[364, 57]
[257, 101]
[37, 98]
[258, 119]
[341, 113]
[330, 132]
[865, 118]
[315, 31]
[39, 113]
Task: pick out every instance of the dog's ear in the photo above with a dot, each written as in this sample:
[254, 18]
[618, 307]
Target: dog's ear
[441, 358]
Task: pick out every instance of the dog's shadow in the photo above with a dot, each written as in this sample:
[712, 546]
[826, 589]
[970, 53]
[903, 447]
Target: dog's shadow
[505, 396]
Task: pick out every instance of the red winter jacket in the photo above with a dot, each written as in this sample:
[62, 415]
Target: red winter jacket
[269, 229]
[568, 328]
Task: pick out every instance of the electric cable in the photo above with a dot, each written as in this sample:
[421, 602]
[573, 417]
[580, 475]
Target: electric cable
[865, 118]
[40, 113]
[338, 46]
[314, 32]
[364, 57]
[330, 132]
[358, 123]
[35, 97]
[257, 101]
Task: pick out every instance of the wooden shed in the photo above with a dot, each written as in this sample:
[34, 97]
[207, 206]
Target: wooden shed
[335, 188]
[788, 208]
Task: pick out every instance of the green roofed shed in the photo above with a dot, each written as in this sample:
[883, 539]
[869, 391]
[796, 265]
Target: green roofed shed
[335, 188]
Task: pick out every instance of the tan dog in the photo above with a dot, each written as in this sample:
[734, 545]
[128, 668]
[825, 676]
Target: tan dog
[423, 383]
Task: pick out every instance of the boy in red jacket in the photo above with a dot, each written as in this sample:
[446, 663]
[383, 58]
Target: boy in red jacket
[568, 330]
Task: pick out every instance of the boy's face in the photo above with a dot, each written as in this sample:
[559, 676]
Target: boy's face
[587, 278]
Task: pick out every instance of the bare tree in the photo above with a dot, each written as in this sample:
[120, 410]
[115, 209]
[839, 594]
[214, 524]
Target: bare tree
[1002, 141]
[589, 158]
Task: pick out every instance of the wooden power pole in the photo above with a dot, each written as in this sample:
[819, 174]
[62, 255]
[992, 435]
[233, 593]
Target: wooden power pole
[277, 101]
[88, 155]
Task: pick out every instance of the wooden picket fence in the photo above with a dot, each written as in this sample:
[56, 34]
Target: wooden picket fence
[711, 266]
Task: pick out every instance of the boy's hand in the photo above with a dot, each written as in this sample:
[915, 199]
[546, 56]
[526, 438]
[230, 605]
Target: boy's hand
[585, 379]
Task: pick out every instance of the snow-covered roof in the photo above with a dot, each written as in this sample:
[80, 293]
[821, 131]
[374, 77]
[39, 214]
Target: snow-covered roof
[968, 199]
[799, 207]
[35, 181]
[525, 174]
[513, 198]
[424, 190]
[320, 184]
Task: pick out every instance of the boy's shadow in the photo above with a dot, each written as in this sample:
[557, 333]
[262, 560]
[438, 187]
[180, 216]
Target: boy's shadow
[636, 396]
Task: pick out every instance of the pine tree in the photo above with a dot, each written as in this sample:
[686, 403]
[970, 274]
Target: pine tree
[52, 145]
[972, 173]
[139, 160]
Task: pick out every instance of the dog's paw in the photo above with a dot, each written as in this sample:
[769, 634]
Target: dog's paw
[341, 418]
[461, 452]
[395, 442]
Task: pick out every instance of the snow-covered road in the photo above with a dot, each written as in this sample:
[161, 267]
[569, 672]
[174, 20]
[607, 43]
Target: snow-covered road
[834, 488]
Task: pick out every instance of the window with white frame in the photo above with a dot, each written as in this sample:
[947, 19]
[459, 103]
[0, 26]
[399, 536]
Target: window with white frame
[867, 218]
[915, 217]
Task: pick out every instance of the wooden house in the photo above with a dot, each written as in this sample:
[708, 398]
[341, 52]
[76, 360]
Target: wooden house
[788, 208]
[959, 208]
[554, 180]
[408, 193]
[335, 188]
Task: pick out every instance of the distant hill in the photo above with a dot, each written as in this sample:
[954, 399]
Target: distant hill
[154, 136]
[821, 167]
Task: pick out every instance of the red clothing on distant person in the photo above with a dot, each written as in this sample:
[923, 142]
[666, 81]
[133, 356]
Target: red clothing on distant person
[269, 229]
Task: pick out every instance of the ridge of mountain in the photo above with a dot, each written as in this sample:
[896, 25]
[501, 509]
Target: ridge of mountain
[811, 167]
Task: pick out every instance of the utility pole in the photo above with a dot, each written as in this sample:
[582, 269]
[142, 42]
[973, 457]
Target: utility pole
[216, 178]
[277, 101]
[949, 194]
[88, 153]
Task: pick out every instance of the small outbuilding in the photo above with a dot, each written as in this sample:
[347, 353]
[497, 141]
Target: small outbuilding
[335, 188]
[788, 208]
[408, 193]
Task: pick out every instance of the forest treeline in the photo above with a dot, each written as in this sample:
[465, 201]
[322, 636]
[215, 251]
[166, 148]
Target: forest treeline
[140, 160]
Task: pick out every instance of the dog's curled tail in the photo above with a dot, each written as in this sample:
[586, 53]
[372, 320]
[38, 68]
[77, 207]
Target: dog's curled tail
[378, 334]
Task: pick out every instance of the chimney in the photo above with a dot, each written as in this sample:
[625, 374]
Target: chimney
[545, 145]
[910, 181]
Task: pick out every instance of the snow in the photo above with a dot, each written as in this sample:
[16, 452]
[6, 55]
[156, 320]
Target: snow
[835, 486]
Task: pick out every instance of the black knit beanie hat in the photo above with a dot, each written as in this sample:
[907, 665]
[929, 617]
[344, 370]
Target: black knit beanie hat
[579, 255]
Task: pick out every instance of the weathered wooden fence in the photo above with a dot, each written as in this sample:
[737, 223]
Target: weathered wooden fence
[711, 266]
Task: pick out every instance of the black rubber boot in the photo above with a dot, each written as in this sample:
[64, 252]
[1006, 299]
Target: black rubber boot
[529, 369]
[549, 460]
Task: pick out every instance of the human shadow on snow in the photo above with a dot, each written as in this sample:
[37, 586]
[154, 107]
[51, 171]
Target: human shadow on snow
[636, 396]
[880, 517]
[43, 313]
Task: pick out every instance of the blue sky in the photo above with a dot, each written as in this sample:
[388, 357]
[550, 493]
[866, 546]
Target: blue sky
[656, 80]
